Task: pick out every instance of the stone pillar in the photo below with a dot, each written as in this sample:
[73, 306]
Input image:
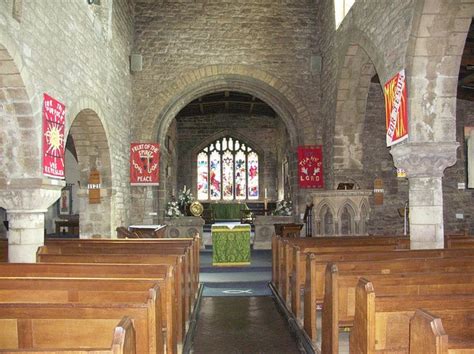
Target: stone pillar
[26, 201]
[26, 234]
[424, 164]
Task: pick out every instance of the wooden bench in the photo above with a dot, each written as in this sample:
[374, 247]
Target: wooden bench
[292, 262]
[446, 331]
[157, 273]
[182, 296]
[339, 301]
[123, 342]
[282, 258]
[381, 323]
[3, 250]
[140, 246]
[89, 291]
[166, 250]
[393, 262]
[29, 325]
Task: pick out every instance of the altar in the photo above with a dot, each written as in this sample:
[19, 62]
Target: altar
[230, 244]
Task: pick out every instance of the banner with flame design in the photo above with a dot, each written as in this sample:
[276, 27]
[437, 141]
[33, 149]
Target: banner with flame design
[395, 93]
[54, 114]
[144, 164]
[310, 167]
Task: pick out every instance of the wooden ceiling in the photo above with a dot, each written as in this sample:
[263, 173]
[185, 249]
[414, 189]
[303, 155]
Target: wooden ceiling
[228, 102]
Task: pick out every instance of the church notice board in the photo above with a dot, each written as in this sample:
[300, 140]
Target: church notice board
[230, 246]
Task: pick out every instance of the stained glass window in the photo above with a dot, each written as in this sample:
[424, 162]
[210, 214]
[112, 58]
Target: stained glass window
[203, 176]
[227, 169]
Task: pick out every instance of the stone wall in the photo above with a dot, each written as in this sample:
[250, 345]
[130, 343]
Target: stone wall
[260, 132]
[78, 54]
[199, 45]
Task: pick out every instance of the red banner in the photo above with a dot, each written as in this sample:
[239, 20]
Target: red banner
[54, 113]
[144, 164]
[396, 116]
[310, 166]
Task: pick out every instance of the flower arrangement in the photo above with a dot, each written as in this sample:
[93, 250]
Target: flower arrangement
[172, 209]
[283, 208]
[185, 198]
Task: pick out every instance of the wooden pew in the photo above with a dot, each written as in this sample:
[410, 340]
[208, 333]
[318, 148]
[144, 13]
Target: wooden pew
[123, 342]
[138, 246]
[339, 299]
[400, 260]
[27, 325]
[442, 333]
[165, 273]
[183, 288]
[3, 250]
[381, 323]
[89, 291]
[292, 251]
[285, 254]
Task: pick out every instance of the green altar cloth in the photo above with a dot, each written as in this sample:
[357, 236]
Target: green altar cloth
[231, 246]
[227, 211]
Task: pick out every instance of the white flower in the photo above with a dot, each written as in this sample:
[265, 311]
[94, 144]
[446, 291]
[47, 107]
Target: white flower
[284, 208]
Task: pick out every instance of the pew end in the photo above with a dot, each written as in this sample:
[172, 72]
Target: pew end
[427, 334]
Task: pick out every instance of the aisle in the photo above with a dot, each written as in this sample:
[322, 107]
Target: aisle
[242, 325]
[237, 313]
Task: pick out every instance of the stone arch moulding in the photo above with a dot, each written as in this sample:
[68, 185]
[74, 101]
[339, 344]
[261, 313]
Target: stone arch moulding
[21, 102]
[359, 62]
[433, 59]
[215, 78]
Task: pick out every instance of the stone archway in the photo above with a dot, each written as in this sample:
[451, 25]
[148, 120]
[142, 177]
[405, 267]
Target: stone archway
[433, 58]
[93, 153]
[359, 64]
[24, 193]
[239, 78]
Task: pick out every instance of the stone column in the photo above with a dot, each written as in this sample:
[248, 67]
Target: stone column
[26, 201]
[424, 164]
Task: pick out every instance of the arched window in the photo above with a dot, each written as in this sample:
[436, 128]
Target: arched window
[341, 8]
[227, 169]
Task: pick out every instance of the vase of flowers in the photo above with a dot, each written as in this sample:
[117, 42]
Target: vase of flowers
[283, 208]
[172, 209]
[185, 198]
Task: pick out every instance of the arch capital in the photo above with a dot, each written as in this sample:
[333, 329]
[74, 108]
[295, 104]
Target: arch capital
[424, 159]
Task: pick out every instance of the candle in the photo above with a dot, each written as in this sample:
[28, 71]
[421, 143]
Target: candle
[265, 193]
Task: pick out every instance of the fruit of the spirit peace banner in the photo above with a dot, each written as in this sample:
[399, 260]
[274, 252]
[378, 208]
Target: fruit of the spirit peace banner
[144, 164]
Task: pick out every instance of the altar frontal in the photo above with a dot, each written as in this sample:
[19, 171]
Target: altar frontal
[231, 245]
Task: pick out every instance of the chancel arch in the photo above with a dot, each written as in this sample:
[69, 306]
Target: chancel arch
[288, 108]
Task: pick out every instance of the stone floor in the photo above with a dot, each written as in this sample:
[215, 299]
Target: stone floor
[242, 325]
[252, 324]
